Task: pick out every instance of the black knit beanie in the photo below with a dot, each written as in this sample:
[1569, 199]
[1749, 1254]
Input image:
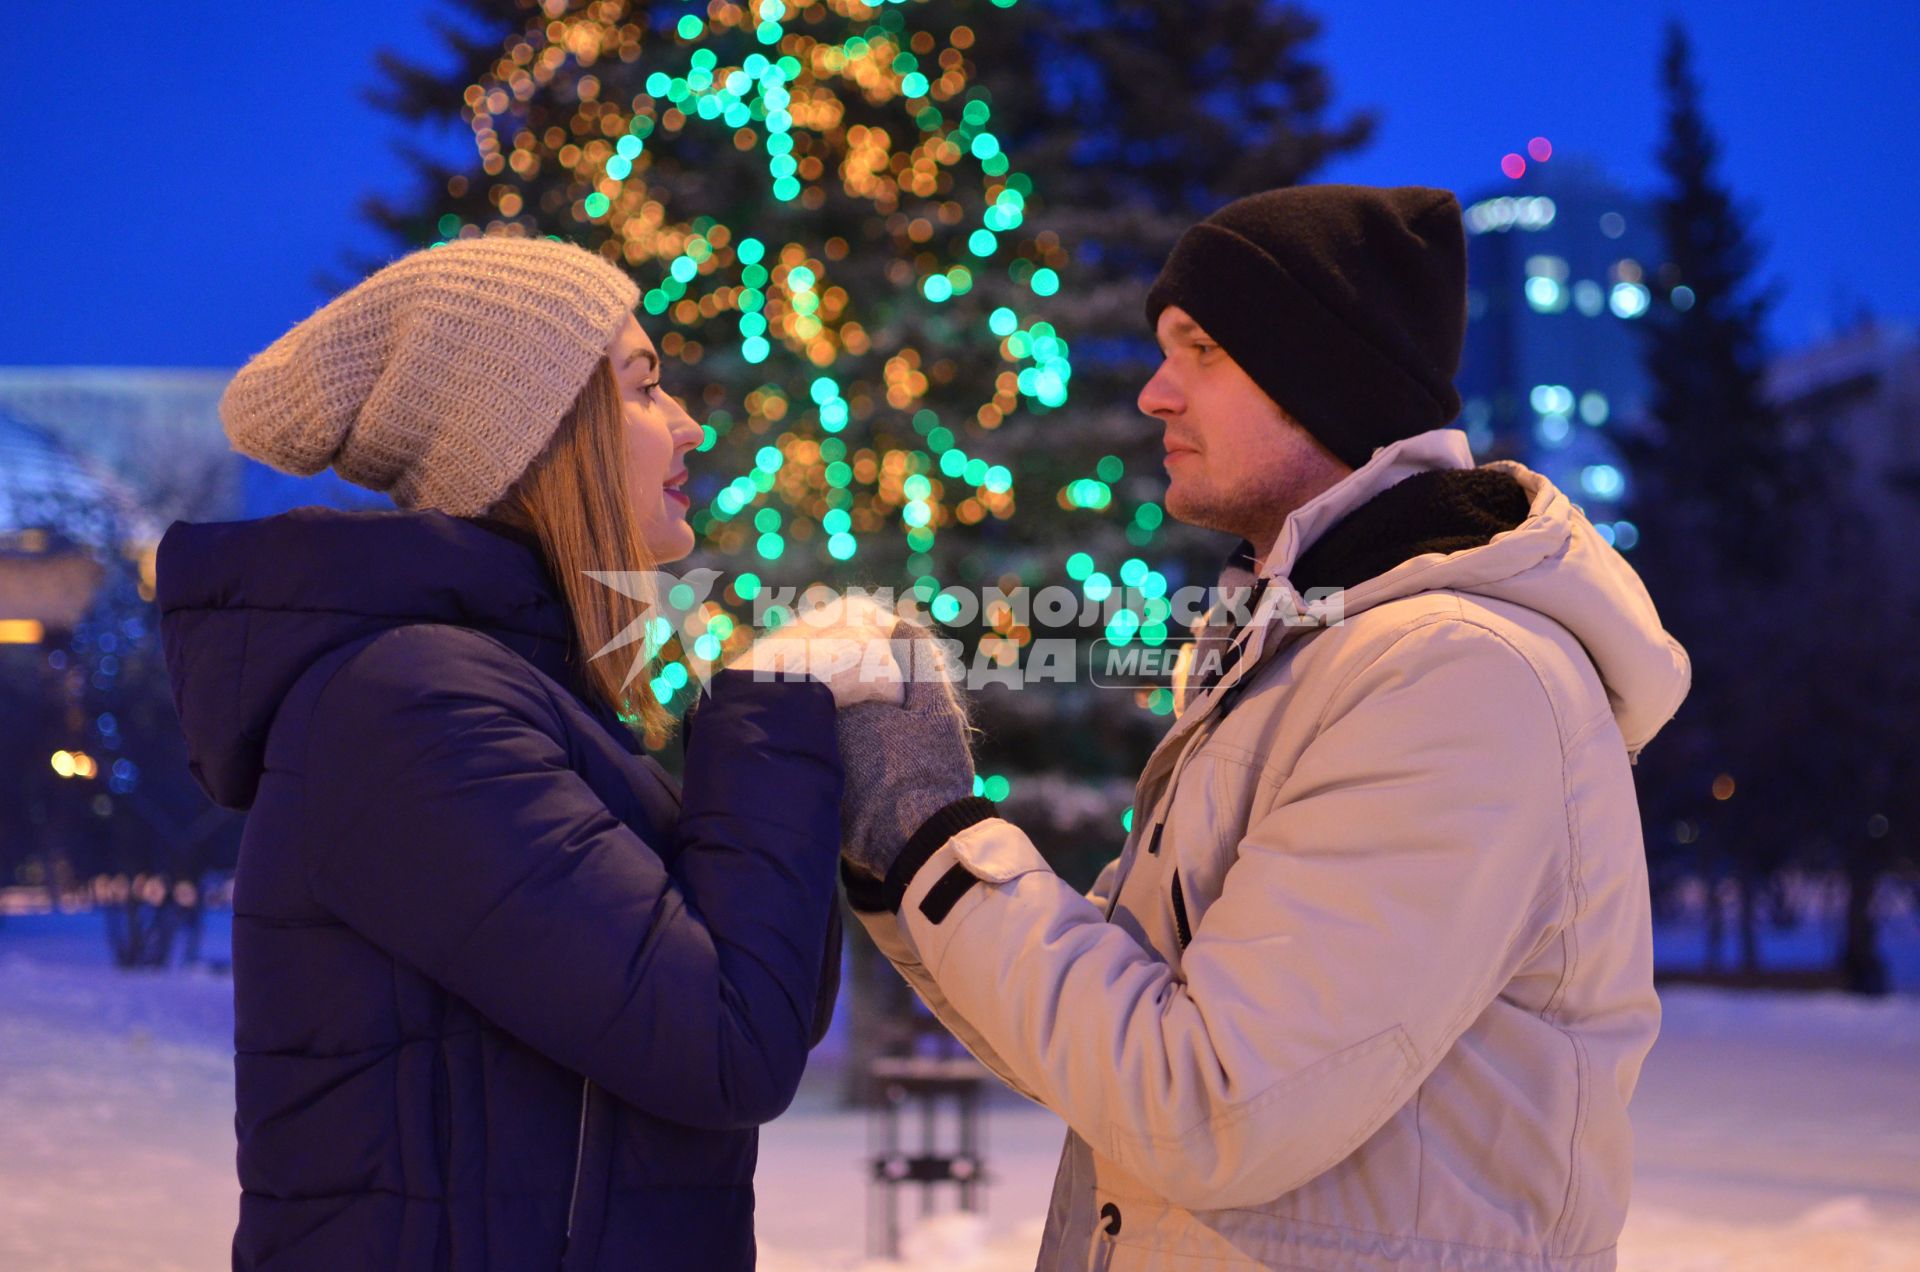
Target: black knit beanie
[1346, 304]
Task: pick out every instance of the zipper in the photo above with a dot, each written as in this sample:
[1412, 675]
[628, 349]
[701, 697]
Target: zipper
[1180, 913]
[579, 1154]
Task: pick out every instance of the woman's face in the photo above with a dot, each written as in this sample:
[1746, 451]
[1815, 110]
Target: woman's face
[659, 434]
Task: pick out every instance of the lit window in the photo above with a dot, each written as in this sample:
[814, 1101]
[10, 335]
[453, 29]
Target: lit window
[1534, 214]
[1593, 407]
[1552, 430]
[1613, 225]
[1603, 481]
[1506, 213]
[1629, 300]
[1682, 298]
[1588, 297]
[1551, 399]
[1546, 284]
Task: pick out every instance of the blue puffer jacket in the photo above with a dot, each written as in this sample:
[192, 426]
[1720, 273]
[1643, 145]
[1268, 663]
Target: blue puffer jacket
[505, 999]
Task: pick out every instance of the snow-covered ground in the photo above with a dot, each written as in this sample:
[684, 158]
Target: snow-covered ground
[1775, 1132]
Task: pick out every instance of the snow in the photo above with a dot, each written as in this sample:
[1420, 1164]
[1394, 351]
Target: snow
[1774, 1131]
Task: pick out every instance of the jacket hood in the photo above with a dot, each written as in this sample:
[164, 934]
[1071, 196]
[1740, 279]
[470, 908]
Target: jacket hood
[247, 606]
[1553, 562]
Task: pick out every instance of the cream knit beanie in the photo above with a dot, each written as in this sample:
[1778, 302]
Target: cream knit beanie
[439, 378]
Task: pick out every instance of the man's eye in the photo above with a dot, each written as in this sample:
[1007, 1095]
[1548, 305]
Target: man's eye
[1203, 347]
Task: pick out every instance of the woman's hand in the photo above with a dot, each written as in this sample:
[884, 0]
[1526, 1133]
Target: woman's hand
[903, 763]
[843, 643]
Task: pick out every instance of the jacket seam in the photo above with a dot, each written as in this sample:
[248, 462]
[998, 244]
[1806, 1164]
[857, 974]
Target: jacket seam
[1557, 1234]
[1575, 906]
[1395, 1034]
[240, 689]
[404, 1195]
[1419, 1156]
[1503, 1251]
[303, 1053]
[1572, 904]
[399, 621]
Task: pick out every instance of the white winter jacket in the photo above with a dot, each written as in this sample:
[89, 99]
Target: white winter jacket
[1416, 985]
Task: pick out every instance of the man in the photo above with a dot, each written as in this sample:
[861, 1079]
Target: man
[1371, 984]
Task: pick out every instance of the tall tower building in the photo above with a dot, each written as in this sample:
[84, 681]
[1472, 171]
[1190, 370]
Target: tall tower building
[1559, 265]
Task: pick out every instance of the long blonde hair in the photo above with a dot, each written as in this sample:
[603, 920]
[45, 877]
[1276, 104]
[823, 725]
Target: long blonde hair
[574, 499]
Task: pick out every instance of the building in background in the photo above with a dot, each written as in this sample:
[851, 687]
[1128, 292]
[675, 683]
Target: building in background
[1860, 389]
[97, 802]
[1558, 265]
[157, 431]
[59, 516]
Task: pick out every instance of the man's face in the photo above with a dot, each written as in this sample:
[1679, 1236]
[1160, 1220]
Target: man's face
[1235, 461]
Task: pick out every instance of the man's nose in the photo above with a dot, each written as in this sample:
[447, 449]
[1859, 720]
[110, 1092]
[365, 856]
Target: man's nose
[1158, 397]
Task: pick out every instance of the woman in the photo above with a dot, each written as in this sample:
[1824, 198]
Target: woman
[505, 996]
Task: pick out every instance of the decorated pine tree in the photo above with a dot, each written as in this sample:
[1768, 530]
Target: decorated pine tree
[898, 251]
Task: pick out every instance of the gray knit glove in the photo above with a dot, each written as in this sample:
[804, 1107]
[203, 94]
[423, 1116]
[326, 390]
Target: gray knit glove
[903, 763]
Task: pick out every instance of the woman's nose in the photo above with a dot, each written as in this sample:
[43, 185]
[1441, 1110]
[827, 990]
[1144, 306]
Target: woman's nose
[687, 431]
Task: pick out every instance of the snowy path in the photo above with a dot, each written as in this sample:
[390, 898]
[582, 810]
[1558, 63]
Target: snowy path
[1774, 1133]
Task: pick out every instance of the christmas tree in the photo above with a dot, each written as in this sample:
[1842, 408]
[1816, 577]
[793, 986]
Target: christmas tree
[899, 251]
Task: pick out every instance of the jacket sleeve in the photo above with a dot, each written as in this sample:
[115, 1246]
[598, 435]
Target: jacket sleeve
[891, 940]
[1369, 918]
[445, 824]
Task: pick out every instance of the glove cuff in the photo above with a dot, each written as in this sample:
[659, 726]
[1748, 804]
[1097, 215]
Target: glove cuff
[870, 895]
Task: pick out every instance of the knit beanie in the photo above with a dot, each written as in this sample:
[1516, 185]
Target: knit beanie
[1346, 304]
[439, 378]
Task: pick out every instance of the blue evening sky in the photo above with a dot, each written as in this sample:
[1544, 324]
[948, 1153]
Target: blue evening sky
[179, 174]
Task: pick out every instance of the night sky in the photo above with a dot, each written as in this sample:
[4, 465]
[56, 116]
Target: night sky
[179, 175]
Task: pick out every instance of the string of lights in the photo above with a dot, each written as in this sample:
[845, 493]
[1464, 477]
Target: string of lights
[721, 156]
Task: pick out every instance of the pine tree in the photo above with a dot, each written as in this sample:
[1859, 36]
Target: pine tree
[894, 330]
[1706, 354]
[900, 251]
[1729, 506]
